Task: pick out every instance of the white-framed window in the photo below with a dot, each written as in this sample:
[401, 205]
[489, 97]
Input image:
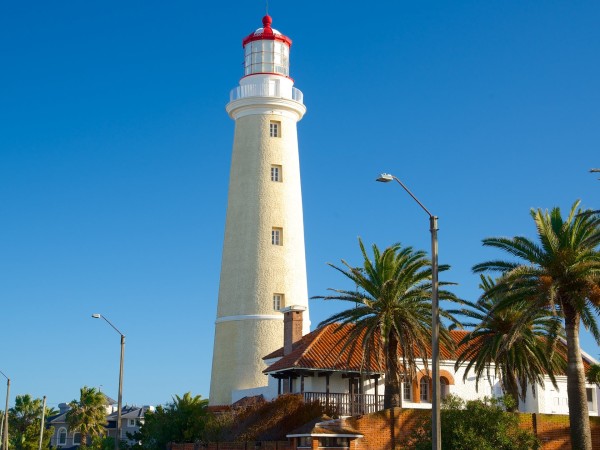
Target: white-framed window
[278, 301]
[76, 438]
[62, 436]
[131, 422]
[407, 389]
[424, 388]
[274, 128]
[277, 236]
[444, 388]
[276, 173]
[589, 392]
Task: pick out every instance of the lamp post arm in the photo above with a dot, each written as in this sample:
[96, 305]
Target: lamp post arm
[115, 328]
[412, 195]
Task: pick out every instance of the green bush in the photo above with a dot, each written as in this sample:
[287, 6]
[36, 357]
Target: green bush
[476, 424]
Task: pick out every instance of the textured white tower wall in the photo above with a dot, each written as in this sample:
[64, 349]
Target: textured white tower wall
[253, 269]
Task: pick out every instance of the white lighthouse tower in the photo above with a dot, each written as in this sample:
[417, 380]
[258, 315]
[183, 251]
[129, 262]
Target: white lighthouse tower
[263, 269]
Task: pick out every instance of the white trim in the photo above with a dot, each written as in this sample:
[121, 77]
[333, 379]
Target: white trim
[250, 317]
[265, 105]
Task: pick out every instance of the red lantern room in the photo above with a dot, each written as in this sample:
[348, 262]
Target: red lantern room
[267, 51]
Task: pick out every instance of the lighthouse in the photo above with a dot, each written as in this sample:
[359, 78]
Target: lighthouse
[263, 268]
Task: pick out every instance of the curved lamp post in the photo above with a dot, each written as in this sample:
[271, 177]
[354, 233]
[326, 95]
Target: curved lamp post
[120, 400]
[4, 429]
[436, 437]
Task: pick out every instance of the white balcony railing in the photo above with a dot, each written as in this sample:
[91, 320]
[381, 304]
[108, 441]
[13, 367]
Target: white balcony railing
[264, 90]
[347, 404]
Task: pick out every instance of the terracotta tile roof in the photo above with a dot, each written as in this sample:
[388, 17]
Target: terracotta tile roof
[322, 349]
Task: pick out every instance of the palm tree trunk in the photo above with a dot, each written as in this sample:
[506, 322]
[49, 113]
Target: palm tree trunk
[511, 387]
[579, 420]
[392, 397]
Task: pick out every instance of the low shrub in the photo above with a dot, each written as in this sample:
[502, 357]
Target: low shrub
[476, 424]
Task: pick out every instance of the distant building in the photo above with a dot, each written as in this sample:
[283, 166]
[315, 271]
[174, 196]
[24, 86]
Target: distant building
[132, 419]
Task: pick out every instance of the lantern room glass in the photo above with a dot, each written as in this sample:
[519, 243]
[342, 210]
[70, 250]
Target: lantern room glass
[266, 56]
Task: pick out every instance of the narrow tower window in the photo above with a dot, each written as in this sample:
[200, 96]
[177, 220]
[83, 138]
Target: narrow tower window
[277, 236]
[275, 129]
[278, 302]
[276, 173]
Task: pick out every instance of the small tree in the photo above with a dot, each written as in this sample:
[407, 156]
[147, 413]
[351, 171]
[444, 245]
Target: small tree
[476, 424]
[25, 421]
[182, 420]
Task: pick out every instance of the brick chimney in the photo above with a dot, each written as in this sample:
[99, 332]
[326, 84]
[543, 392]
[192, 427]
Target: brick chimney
[292, 327]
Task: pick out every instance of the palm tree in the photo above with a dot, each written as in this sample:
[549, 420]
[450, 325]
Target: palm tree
[521, 346]
[561, 273]
[88, 414]
[391, 312]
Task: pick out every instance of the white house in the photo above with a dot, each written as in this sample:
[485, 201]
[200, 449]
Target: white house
[317, 366]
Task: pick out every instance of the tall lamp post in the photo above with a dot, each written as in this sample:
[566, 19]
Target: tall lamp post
[4, 429]
[120, 400]
[436, 436]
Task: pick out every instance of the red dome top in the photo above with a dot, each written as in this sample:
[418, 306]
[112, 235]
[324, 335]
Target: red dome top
[267, 33]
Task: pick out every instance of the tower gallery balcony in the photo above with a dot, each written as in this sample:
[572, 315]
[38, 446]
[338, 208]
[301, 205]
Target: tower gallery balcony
[266, 90]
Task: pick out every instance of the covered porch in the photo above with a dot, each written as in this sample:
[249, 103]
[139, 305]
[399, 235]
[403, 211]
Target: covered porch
[345, 393]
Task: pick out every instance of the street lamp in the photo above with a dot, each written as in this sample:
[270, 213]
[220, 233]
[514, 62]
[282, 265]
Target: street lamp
[4, 428]
[436, 436]
[120, 400]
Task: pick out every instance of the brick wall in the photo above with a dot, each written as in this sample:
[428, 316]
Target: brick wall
[553, 430]
[377, 428]
[265, 445]
[382, 428]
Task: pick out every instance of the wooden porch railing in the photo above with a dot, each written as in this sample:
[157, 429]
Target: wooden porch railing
[347, 404]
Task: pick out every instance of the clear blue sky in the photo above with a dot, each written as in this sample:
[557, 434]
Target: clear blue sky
[115, 149]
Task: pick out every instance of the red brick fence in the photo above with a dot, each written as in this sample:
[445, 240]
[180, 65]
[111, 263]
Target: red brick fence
[378, 428]
[262, 445]
[551, 429]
